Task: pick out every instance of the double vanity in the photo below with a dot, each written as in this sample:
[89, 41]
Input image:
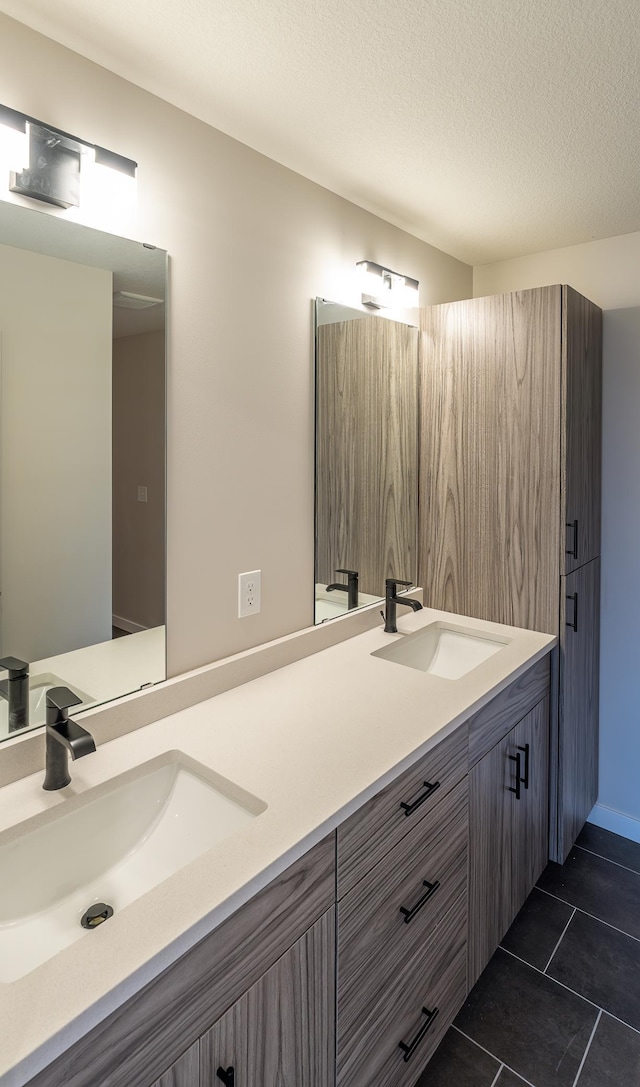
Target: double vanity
[317, 862]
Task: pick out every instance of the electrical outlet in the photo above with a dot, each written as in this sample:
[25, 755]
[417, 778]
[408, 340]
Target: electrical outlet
[249, 593]
[142, 493]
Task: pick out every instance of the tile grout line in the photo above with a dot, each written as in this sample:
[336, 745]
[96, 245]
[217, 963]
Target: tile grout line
[490, 1054]
[591, 915]
[560, 940]
[497, 1075]
[601, 858]
[584, 1055]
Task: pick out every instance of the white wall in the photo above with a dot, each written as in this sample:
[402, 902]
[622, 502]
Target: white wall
[55, 442]
[251, 244]
[607, 272]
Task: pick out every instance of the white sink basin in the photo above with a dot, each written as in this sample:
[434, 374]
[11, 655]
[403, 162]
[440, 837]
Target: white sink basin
[443, 649]
[110, 845]
[38, 687]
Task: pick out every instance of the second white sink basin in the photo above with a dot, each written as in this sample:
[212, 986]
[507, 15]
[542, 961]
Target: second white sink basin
[110, 845]
[443, 649]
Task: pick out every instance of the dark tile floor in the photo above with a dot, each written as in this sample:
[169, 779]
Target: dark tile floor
[559, 1003]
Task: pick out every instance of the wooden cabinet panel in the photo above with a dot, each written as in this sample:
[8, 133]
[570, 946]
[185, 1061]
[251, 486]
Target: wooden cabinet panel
[581, 436]
[579, 696]
[508, 832]
[369, 1050]
[281, 1032]
[185, 1072]
[382, 822]
[375, 938]
[494, 720]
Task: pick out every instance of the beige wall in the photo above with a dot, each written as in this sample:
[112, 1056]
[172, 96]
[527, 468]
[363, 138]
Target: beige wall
[138, 460]
[608, 272]
[251, 244]
[55, 431]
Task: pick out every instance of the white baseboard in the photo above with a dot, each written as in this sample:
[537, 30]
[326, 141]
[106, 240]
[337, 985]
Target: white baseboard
[610, 819]
[127, 624]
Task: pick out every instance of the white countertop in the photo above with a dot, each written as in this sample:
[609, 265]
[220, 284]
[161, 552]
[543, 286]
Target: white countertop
[313, 740]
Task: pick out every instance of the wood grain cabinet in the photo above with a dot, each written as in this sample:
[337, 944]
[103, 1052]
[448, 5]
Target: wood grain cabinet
[185, 1072]
[509, 505]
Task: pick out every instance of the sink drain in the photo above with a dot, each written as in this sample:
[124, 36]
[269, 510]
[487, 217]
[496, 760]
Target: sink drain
[96, 914]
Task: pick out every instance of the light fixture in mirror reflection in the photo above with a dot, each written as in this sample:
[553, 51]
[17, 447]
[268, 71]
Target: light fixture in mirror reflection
[82, 459]
[366, 456]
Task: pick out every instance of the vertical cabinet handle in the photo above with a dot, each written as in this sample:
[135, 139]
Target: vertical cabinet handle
[409, 1048]
[573, 551]
[517, 758]
[574, 623]
[409, 914]
[525, 778]
[430, 788]
[227, 1075]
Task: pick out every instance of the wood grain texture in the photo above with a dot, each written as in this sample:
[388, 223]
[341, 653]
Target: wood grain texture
[282, 1032]
[369, 1053]
[489, 496]
[185, 1072]
[508, 838]
[381, 823]
[374, 940]
[582, 428]
[367, 451]
[578, 703]
[138, 1043]
[498, 717]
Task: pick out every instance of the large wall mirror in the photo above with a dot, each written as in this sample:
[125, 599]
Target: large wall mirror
[366, 456]
[82, 460]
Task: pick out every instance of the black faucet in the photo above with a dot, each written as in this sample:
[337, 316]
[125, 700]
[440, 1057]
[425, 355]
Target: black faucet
[64, 737]
[16, 691]
[391, 602]
[351, 587]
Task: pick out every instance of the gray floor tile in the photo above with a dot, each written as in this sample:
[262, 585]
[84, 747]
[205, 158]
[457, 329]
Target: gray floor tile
[459, 1061]
[598, 887]
[535, 1026]
[537, 929]
[611, 846]
[613, 1059]
[602, 965]
[507, 1079]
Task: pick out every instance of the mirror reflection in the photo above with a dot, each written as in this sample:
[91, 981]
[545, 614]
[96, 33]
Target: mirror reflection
[82, 456]
[366, 456]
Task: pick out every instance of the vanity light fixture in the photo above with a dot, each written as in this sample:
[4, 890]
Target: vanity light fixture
[383, 289]
[53, 166]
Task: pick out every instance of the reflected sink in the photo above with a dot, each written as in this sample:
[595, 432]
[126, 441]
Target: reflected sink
[110, 845]
[443, 649]
[38, 687]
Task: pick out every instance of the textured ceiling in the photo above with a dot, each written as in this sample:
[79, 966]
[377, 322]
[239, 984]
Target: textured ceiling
[489, 128]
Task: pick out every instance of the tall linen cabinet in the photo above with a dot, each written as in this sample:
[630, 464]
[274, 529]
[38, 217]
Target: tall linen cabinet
[509, 503]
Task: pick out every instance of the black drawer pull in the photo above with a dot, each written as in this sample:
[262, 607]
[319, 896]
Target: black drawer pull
[525, 777]
[431, 890]
[430, 790]
[409, 1048]
[518, 761]
[574, 624]
[573, 525]
[227, 1075]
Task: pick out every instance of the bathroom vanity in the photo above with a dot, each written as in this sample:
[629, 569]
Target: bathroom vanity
[331, 938]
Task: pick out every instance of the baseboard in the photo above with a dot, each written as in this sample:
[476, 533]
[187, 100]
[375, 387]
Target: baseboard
[127, 624]
[616, 821]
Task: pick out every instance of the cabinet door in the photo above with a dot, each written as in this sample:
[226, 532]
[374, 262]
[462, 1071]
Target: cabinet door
[508, 832]
[578, 702]
[282, 1032]
[185, 1072]
[581, 438]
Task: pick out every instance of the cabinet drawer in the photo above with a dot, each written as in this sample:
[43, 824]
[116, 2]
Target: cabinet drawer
[488, 726]
[375, 938]
[384, 820]
[370, 1036]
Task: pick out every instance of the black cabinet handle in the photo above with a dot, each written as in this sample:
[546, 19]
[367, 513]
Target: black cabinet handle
[409, 1048]
[409, 914]
[227, 1075]
[573, 525]
[574, 624]
[430, 790]
[516, 788]
[525, 778]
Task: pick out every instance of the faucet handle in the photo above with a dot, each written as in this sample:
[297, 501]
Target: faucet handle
[393, 582]
[15, 667]
[350, 573]
[61, 698]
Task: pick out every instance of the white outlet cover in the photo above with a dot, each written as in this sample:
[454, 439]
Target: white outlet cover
[249, 592]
